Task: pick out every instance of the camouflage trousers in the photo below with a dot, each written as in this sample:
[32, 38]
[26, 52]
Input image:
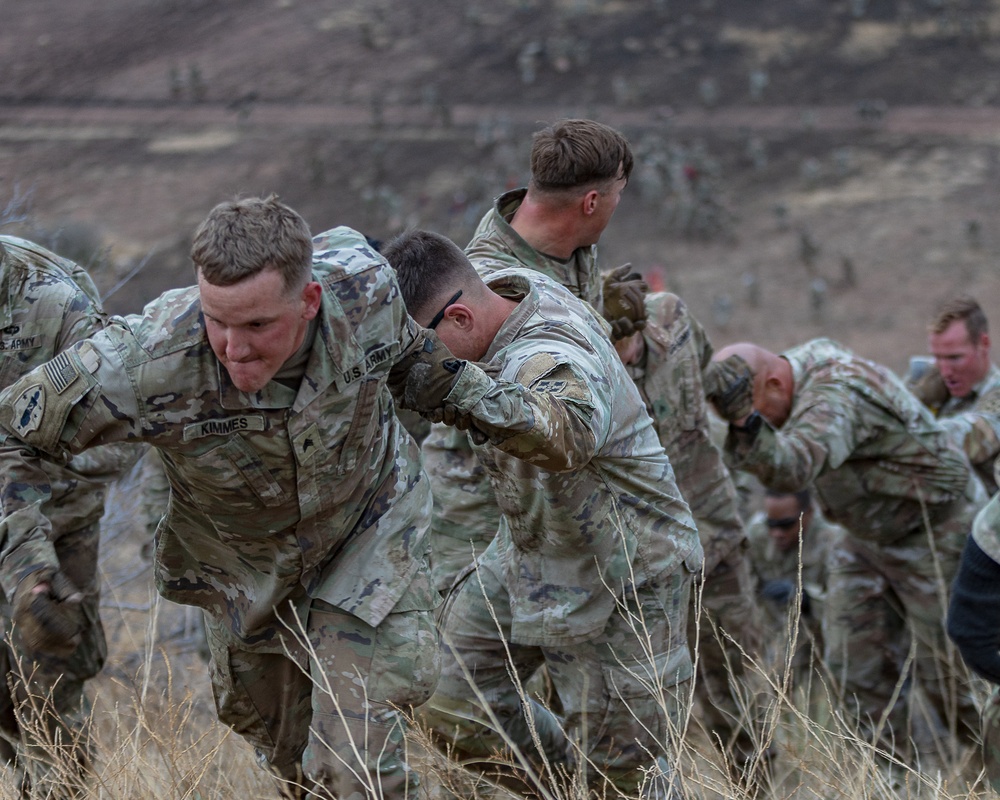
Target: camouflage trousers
[44, 713]
[732, 699]
[624, 695]
[452, 555]
[329, 720]
[881, 600]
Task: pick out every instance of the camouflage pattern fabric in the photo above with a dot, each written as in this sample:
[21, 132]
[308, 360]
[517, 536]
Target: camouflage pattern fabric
[302, 730]
[466, 516]
[974, 422]
[669, 381]
[496, 245]
[986, 529]
[668, 378]
[623, 694]
[592, 522]
[771, 564]
[881, 467]
[48, 304]
[278, 497]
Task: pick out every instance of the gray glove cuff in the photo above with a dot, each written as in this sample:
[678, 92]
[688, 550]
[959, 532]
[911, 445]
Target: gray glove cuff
[472, 385]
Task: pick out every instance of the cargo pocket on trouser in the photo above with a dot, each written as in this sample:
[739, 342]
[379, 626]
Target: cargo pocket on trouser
[406, 662]
[628, 719]
[365, 682]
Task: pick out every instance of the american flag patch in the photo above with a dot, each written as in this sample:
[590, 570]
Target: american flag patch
[61, 372]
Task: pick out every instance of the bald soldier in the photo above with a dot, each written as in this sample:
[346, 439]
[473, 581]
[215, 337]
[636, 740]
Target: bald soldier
[298, 508]
[590, 571]
[819, 416]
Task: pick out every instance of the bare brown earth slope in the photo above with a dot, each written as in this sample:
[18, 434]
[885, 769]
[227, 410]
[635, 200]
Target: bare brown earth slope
[805, 167]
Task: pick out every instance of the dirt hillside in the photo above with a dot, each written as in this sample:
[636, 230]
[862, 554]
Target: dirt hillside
[805, 167]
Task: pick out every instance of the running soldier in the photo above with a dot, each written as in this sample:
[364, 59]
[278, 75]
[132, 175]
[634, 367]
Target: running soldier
[298, 507]
[819, 416]
[591, 569]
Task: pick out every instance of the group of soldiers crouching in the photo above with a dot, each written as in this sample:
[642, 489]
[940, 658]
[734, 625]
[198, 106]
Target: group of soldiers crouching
[565, 522]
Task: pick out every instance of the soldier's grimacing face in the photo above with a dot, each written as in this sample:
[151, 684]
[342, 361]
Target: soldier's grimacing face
[254, 326]
[961, 362]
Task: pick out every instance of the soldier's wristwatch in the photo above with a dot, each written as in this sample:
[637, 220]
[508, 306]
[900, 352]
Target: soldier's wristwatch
[751, 425]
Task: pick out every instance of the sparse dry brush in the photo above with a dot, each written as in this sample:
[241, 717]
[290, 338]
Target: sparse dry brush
[155, 734]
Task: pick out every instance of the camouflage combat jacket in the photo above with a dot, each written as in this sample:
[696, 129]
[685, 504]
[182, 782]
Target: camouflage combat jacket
[497, 244]
[464, 507]
[986, 528]
[589, 502]
[974, 422]
[872, 452]
[48, 304]
[273, 496]
[669, 381]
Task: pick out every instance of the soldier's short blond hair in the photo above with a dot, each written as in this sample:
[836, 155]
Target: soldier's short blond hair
[575, 154]
[243, 237]
[965, 309]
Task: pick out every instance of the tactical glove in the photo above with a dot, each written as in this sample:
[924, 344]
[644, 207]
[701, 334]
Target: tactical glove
[974, 611]
[422, 379]
[778, 590]
[729, 386]
[50, 621]
[781, 591]
[624, 301]
[930, 388]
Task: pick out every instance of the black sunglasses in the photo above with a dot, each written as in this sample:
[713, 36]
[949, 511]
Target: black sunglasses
[440, 315]
[784, 522]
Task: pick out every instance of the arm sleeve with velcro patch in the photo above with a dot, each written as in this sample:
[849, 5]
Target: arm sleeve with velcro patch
[543, 418]
[35, 408]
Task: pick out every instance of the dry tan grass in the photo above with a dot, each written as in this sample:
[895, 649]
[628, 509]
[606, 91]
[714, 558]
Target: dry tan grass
[155, 734]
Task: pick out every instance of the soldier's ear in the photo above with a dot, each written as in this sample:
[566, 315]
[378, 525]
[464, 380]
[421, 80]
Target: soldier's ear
[460, 315]
[312, 295]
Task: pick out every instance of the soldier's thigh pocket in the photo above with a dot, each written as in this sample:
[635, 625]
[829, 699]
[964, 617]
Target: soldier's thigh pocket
[398, 662]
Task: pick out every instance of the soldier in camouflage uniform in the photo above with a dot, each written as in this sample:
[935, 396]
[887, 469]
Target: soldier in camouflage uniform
[590, 571]
[665, 360]
[974, 622]
[50, 303]
[578, 170]
[818, 416]
[963, 385]
[298, 507]
[790, 544]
